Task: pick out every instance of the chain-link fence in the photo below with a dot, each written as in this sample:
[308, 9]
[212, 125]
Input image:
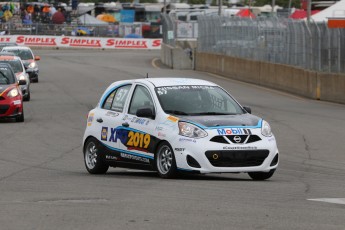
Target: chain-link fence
[310, 46]
[176, 29]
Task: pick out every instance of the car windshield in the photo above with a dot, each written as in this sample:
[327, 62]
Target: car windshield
[197, 100]
[24, 54]
[6, 76]
[15, 64]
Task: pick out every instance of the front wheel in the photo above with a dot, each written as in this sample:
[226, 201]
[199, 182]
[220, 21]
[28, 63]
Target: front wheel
[165, 161]
[20, 118]
[92, 158]
[261, 175]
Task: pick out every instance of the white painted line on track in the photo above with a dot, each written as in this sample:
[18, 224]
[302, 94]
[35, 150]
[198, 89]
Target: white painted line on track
[153, 63]
[330, 200]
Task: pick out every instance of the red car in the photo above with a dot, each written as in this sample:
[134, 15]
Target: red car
[11, 98]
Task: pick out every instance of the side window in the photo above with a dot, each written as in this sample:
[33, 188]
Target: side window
[120, 97]
[108, 101]
[141, 98]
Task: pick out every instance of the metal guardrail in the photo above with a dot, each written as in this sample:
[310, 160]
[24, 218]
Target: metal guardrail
[311, 46]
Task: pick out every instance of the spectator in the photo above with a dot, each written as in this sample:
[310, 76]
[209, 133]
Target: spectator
[27, 18]
[7, 15]
[1, 14]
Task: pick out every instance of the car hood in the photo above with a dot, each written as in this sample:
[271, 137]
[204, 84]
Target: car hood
[3, 88]
[27, 62]
[223, 120]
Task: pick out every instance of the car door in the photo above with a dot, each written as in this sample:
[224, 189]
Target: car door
[138, 131]
[109, 118]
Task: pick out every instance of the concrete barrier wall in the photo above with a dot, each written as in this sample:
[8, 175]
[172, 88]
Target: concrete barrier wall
[310, 84]
[176, 57]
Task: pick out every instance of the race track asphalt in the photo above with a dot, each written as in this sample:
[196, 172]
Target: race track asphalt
[44, 184]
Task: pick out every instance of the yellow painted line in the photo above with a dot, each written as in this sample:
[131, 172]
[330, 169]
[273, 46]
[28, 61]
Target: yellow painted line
[153, 63]
[260, 87]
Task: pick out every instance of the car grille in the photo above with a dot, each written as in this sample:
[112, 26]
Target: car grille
[4, 108]
[237, 158]
[235, 139]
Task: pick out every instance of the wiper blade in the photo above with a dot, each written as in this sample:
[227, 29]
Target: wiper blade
[214, 113]
[176, 112]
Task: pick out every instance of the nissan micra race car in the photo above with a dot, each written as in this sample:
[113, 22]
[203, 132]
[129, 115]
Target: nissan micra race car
[174, 125]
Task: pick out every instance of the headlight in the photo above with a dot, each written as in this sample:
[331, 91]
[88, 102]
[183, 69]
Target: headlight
[192, 131]
[32, 65]
[21, 77]
[13, 93]
[266, 129]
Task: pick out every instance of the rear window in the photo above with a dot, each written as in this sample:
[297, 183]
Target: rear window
[6, 76]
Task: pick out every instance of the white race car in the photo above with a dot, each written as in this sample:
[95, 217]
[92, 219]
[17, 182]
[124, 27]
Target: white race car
[174, 125]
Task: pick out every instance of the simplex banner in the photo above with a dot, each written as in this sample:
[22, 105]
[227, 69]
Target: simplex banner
[82, 42]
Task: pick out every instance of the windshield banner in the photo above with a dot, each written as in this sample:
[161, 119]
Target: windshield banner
[82, 42]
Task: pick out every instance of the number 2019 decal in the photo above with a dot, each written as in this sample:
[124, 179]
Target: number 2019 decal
[138, 141]
[132, 139]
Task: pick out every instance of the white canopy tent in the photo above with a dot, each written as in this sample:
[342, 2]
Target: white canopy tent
[336, 10]
[87, 19]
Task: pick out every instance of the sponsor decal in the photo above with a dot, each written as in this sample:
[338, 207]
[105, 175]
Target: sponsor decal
[233, 131]
[159, 128]
[81, 42]
[179, 149]
[17, 102]
[42, 41]
[90, 119]
[133, 140]
[108, 157]
[104, 133]
[187, 139]
[172, 118]
[239, 148]
[127, 43]
[140, 121]
[112, 114]
[132, 157]
[5, 39]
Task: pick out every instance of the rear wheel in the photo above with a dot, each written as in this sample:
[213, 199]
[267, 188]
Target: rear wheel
[92, 158]
[165, 161]
[261, 175]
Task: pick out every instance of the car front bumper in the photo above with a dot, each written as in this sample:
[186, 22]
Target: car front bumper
[203, 156]
[33, 73]
[9, 110]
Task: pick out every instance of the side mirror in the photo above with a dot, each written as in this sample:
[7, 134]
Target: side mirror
[22, 82]
[248, 109]
[37, 58]
[146, 112]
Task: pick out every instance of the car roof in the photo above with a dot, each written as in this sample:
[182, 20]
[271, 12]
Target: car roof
[16, 48]
[159, 82]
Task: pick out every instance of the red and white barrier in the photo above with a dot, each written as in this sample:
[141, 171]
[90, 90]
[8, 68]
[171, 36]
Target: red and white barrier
[83, 42]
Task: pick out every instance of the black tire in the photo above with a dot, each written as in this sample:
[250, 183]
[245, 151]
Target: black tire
[93, 161]
[20, 118]
[27, 98]
[36, 80]
[165, 161]
[261, 175]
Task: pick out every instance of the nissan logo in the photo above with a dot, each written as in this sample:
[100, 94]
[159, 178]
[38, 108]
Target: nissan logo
[237, 139]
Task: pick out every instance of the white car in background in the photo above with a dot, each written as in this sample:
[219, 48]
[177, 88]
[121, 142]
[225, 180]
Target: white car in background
[176, 125]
